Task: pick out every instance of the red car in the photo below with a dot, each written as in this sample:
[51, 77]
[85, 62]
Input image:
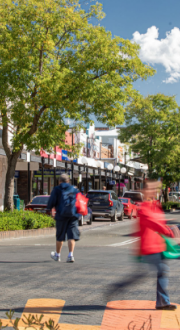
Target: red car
[130, 208]
[39, 204]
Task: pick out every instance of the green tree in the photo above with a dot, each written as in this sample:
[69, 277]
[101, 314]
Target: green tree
[54, 64]
[153, 131]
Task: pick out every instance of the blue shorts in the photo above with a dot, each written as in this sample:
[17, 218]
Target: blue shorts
[67, 229]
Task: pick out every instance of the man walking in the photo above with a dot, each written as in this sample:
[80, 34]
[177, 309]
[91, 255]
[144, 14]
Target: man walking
[63, 198]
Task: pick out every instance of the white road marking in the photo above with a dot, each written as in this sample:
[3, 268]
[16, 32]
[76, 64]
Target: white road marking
[130, 241]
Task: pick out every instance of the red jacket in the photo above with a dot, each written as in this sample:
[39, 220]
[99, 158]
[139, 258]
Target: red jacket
[152, 223]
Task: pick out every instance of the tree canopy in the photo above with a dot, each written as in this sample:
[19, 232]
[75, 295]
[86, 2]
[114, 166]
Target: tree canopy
[55, 64]
[153, 131]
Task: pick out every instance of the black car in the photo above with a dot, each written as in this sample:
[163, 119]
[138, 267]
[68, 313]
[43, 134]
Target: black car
[105, 203]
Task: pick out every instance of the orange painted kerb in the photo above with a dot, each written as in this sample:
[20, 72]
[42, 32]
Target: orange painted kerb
[117, 315]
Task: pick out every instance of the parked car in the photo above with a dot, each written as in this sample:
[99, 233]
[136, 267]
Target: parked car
[130, 208]
[174, 196]
[136, 196]
[39, 204]
[86, 218]
[105, 203]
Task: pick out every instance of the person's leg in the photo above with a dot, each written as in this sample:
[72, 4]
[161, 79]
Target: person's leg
[162, 296]
[71, 246]
[162, 283]
[60, 237]
[73, 235]
[58, 247]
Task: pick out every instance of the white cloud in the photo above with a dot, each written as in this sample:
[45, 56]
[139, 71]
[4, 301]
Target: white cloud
[164, 51]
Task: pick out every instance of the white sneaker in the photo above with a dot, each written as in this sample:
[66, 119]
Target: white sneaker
[70, 259]
[55, 257]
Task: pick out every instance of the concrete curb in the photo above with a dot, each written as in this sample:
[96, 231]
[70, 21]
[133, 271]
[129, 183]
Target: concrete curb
[27, 233]
[51, 231]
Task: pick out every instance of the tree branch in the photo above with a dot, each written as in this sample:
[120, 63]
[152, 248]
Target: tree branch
[34, 126]
[41, 60]
[58, 42]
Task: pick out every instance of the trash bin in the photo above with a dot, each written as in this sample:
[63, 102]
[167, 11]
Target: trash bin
[16, 202]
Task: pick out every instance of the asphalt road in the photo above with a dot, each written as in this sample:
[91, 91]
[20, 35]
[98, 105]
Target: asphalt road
[104, 270]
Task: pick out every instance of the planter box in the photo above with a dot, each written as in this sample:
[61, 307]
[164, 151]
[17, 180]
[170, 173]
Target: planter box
[27, 233]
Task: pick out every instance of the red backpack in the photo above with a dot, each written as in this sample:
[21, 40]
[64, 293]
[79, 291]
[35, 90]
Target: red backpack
[81, 204]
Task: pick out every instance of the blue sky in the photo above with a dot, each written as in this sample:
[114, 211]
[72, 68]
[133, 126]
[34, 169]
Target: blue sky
[159, 49]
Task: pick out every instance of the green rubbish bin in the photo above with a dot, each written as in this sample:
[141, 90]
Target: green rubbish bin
[16, 202]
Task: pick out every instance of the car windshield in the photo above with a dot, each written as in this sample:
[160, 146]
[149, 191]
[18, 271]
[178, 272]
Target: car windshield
[124, 200]
[40, 200]
[136, 197]
[104, 196]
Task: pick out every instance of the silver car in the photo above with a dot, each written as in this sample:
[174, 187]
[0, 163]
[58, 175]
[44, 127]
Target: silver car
[174, 196]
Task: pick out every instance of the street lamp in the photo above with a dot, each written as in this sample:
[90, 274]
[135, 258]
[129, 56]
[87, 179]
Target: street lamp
[110, 167]
[54, 165]
[28, 161]
[118, 170]
[123, 170]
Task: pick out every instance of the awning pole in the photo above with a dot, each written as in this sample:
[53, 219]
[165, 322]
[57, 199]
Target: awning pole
[42, 175]
[119, 185]
[72, 172]
[99, 178]
[86, 179]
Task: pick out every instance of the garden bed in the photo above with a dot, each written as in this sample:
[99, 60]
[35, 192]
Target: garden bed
[24, 220]
[170, 205]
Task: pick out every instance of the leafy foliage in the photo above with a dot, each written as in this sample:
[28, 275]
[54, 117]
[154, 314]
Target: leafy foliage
[30, 321]
[170, 205]
[56, 65]
[20, 220]
[153, 131]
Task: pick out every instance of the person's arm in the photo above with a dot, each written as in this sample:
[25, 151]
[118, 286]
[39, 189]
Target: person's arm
[157, 226]
[52, 200]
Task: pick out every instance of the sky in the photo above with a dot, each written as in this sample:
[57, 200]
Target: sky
[155, 26]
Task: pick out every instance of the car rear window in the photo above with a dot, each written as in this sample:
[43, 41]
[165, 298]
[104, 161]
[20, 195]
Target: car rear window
[123, 200]
[104, 196]
[136, 197]
[40, 200]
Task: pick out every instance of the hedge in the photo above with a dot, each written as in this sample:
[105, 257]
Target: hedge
[170, 205]
[20, 220]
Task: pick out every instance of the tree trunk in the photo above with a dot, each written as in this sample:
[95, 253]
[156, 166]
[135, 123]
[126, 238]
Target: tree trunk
[9, 185]
[166, 194]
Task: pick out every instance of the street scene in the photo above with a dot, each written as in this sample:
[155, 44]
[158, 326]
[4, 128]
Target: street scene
[89, 165]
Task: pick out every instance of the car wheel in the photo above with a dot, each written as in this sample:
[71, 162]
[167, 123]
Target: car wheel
[81, 221]
[114, 218]
[122, 216]
[90, 221]
[130, 216]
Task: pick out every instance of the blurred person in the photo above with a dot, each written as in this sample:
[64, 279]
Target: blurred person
[104, 187]
[152, 224]
[63, 198]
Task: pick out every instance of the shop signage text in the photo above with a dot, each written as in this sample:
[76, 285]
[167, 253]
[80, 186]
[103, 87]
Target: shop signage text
[48, 173]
